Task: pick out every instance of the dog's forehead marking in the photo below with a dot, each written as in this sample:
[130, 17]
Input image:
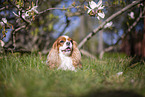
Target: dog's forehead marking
[66, 37]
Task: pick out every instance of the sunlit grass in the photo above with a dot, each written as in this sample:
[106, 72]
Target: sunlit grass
[29, 76]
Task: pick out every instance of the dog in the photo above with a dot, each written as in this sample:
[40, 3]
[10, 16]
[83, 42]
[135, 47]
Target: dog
[64, 54]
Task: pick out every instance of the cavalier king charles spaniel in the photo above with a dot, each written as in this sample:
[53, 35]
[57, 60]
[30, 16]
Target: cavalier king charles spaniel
[64, 54]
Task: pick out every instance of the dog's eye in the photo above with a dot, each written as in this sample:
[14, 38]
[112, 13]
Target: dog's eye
[61, 41]
[71, 41]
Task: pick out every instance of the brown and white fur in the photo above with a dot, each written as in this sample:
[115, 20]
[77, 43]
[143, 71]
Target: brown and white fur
[64, 54]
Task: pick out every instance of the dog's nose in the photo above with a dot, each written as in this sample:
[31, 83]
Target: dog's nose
[68, 43]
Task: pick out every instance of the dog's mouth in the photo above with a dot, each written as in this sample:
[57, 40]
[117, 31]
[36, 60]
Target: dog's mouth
[68, 49]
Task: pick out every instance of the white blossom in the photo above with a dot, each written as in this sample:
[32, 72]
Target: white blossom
[100, 6]
[102, 15]
[109, 24]
[33, 9]
[96, 9]
[4, 20]
[141, 4]
[2, 43]
[131, 14]
[93, 5]
[18, 6]
[26, 14]
[2, 24]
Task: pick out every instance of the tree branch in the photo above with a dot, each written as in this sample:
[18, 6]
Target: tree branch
[107, 20]
[44, 11]
[14, 50]
[86, 53]
[67, 24]
[2, 8]
[14, 35]
[129, 29]
[20, 16]
[123, 36]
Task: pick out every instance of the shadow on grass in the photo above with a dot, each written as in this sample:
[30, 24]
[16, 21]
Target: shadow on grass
[111, 93]
[136, 61]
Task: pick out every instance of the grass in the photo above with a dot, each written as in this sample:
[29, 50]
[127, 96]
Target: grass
[28, 76]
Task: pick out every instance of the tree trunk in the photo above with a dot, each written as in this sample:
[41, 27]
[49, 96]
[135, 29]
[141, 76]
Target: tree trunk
[100, 46]
[143, 41]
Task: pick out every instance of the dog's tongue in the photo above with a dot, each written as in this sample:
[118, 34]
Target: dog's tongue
[68, 49]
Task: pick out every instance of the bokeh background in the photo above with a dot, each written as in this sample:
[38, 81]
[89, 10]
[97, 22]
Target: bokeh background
[49, 20]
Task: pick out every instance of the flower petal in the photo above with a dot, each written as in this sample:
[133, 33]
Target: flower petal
[2, 24]
[131, 14]
[89, 10]
[4, 20]
[26, 14]
[98, 17]
[101, 7]
[109, 24]
[87, 7]
[102, 15]
[99, 3]
[93, 5]
[34, 9]
[2, 43]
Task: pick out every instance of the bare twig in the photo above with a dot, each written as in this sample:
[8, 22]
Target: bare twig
[2, 8]
[106, 50]
[106, 21]
[67, 24]
[86, 53]
[44, 11]
[69, 14]
[37, 2]
[20, 16]
[14, 34]
[14, 50]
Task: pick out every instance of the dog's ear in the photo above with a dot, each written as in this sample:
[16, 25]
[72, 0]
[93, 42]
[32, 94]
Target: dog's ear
[76, 55]
[54, 45]
[74, 44]
[52, 58]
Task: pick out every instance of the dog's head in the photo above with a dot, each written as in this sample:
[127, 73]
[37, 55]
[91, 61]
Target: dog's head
[64, 51]
[64, 45]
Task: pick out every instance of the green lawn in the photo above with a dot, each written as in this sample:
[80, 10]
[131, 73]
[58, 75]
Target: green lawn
[27, 76]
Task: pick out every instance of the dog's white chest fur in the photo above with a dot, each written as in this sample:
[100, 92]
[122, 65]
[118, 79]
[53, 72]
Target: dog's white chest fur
[66, 63]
